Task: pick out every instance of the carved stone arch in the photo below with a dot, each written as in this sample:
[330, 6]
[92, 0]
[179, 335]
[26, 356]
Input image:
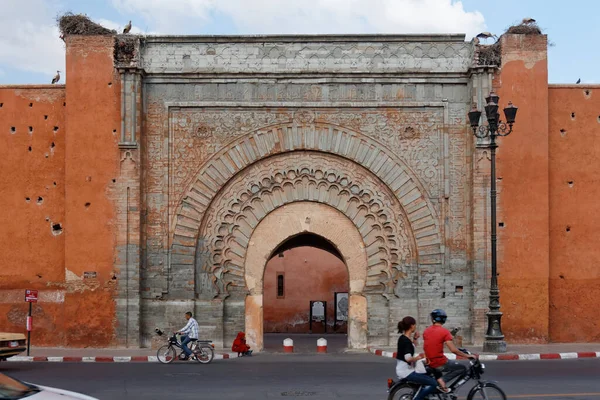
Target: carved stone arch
[247, 150]
[299, 177]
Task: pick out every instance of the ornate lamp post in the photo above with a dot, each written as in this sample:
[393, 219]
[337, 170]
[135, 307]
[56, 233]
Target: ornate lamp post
[494, 338]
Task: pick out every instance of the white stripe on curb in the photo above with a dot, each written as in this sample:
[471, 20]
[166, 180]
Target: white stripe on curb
[389, 354]
[121, 359]
[88, 359]
[55, 359]
[152, 359]
[20, 359]
[488, 357]
[529, 356]
[568, 355]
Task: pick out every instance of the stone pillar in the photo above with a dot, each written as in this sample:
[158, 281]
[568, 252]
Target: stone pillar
[129, 199]
[481, 84]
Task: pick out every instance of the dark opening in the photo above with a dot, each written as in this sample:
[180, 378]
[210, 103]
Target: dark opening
[45, 117]
[573, 115]
[280, 292]
[52, 145]
[501, 224]
[30, 104]
[13, 129]
[1, 105]
[31, 129]
[568, 229]
[307, 239]
[56, 129]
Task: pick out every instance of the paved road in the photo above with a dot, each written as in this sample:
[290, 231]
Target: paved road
[346, 376]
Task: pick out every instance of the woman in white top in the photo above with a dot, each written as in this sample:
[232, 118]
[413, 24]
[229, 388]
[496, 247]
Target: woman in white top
[406, 359]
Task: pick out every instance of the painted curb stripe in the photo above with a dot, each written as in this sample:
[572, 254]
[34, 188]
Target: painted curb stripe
[117, 359]
[506, 357]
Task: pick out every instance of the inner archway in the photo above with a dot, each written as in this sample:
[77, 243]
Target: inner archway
[306, 287]
[287, 222]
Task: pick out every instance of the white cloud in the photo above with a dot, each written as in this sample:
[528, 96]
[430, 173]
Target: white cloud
[29, 37]
[309, 16]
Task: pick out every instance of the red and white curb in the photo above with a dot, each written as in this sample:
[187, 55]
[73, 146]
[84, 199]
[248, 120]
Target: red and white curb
[101, 359]
[508, 357]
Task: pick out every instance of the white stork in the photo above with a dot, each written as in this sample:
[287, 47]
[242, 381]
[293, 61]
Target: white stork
[127, 28]
[56, 77]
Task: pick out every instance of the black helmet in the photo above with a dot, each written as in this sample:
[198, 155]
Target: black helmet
[439, 315]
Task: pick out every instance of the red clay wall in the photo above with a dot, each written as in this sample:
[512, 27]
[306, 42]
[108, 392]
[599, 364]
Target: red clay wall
[92, 163]
[32, 160]
[310, 274]
[63, 155]
[522, 162]
[574, 217]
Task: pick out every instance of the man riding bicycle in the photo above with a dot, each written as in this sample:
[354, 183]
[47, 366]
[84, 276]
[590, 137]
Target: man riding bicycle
[434, 339]
[190, 332]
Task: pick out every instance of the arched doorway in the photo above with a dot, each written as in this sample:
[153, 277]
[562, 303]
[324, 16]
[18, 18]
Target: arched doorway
[276, 231]
[306, 287]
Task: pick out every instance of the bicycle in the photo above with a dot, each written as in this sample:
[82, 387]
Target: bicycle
[404, 390]
[202, 350]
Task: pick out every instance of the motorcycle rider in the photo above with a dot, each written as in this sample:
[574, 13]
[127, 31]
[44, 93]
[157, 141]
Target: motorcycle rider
[434, 338]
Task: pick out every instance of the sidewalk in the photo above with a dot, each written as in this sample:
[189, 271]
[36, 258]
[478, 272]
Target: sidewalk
[551, 351]
[57, 354]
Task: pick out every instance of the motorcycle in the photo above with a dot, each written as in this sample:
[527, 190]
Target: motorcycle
[404, 390]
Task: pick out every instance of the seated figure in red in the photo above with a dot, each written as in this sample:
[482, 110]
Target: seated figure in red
[240, 346]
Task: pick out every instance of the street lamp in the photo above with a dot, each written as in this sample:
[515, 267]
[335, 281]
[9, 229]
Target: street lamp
[494, 338]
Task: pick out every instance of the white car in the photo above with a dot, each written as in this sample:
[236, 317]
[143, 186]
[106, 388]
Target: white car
[13, 389]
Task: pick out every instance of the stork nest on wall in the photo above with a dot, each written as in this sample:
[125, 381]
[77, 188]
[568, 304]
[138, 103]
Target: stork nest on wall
[81, 24]
[125, 48]
[490, 55]
[525, 29]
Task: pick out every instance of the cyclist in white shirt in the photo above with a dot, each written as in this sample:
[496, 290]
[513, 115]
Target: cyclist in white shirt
[190, 332]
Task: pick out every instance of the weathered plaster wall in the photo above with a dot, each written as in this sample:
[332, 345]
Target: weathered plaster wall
[523, 191]
[91, 181]
[310, 274]
[32, 161]
[574, 148]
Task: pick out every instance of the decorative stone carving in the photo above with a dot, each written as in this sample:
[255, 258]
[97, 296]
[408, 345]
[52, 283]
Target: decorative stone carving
[414, 133]
[305, 176]
[309, 55]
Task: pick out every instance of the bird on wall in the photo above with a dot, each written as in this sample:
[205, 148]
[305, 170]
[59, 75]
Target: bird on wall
[56, 77]
[486, 35]
[527, 21]
[127, 28]
[578, 81]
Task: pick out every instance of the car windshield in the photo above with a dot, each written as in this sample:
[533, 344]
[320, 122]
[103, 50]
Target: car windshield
[13, 389]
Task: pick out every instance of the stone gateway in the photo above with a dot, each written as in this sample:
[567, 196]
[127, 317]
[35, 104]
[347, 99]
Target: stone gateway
[204, 155]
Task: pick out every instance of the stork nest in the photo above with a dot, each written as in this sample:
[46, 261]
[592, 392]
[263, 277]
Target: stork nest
[490, 55]
[125, 48]
[525, 29]
[81, 24]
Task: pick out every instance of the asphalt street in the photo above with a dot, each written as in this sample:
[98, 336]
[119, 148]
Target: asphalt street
[279, 376]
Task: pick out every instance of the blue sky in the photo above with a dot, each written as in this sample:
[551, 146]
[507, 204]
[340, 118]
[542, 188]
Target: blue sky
[30, 51]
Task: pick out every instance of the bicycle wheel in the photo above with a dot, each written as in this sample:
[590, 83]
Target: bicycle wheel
[166, 354]
[204, 354]
[488, 391]
[402, 392]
